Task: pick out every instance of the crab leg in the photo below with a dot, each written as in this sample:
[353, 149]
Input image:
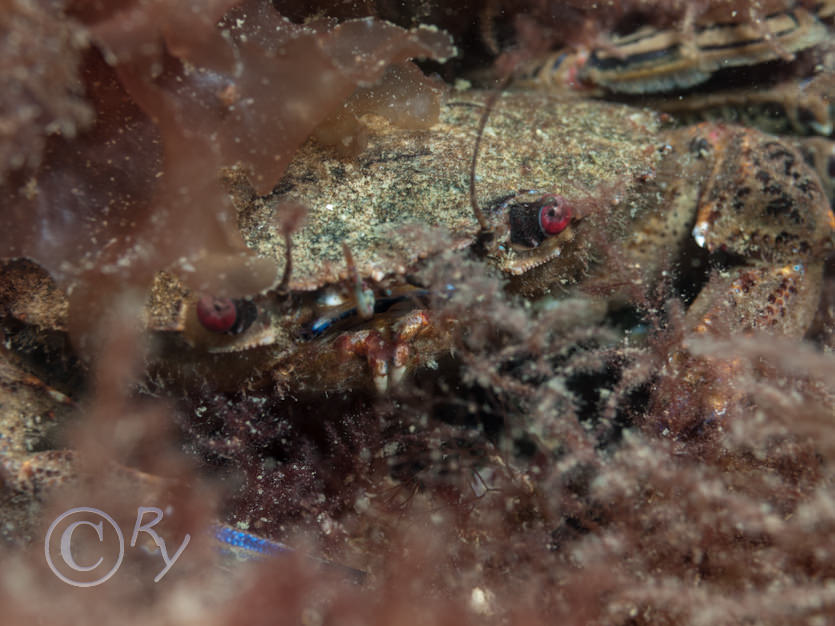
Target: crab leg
[763, 208]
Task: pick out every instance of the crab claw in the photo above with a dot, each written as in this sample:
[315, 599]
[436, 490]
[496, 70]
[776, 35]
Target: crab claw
[388, 359]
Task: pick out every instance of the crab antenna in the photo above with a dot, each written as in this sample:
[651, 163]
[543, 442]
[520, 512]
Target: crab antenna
[288, 263]
[291, 215]
[488, 107]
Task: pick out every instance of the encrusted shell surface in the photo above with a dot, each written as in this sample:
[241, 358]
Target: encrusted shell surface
[406, 196]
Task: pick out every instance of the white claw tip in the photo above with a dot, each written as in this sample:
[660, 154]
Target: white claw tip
[381, 383]
[397, 374]
[699, 232]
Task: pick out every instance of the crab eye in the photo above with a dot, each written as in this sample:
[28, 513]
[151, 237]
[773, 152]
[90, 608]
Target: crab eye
[225, 315]
[554, 216]
[531, 223]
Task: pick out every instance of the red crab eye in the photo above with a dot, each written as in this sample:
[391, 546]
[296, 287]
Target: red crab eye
[531, 223]
[216, 314]
[554, 216]
[225, 315]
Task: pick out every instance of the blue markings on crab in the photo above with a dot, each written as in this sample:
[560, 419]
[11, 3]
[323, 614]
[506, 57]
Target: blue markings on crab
[351, 317]
[558, 61]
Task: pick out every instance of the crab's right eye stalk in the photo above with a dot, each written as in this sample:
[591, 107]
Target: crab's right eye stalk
[531, 223]
[225, 315]
[554, 215]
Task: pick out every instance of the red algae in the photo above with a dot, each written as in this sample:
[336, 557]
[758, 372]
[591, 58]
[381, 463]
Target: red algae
[41, 93]
[404, 96]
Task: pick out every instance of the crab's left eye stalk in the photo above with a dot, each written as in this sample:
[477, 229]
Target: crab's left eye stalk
[531, 223]
[225, 315]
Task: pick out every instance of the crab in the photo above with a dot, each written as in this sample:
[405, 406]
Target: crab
[373, 223]
[785, 60]
[563, 185]
[571, 196]
[561, 189]
[652, 60]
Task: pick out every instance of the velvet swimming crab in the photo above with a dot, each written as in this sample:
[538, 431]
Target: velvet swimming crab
[561, 189]
[566, 192]
[354, 309]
